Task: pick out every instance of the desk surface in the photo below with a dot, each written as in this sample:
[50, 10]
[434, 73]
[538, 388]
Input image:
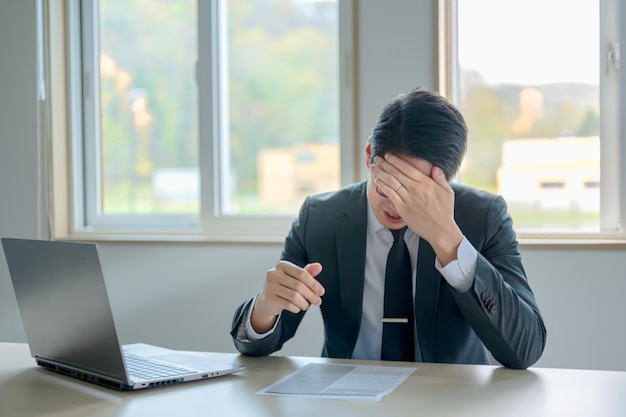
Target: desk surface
[433, 389]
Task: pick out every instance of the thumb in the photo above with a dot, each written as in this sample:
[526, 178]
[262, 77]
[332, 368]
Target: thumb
[313, 268]
[438, 175]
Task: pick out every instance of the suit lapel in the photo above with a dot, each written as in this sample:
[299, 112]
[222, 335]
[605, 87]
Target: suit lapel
[351, 238]
[427, 283]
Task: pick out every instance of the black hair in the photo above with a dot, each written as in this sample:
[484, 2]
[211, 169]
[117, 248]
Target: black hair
[422, 124]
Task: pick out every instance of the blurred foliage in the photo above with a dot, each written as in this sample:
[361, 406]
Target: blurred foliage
[282, 88]
[282, 69]
[495, 114]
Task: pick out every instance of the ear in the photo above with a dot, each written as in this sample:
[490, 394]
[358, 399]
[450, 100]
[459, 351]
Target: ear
[368, 154]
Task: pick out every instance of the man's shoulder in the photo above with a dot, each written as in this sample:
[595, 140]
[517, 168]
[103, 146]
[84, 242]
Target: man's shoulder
[467, 195]
[342, 195]
[346, 201]
[320, 214]
[476, 209]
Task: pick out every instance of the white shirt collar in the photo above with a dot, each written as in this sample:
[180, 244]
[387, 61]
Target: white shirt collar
[373, 225]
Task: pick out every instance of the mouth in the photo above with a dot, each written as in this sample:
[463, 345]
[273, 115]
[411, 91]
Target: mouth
[392, 217]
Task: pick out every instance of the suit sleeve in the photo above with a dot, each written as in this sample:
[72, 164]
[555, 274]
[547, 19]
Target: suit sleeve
[500, 306]
[294, 252]
[262, 347]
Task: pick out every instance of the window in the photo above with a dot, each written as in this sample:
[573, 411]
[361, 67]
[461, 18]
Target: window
[537, 83]
[207, 118]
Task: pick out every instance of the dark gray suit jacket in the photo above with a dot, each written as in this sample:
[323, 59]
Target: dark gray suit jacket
[498, 312]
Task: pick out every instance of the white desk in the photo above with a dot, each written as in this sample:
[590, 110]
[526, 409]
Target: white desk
[432, 390]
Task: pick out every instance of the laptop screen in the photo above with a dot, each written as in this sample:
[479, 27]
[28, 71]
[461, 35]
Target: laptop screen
[64, 306]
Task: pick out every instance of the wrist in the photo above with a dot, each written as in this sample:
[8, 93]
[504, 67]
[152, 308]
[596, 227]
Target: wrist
[262, 322]
[447, 246]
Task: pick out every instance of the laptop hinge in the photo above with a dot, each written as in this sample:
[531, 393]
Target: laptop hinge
[92, 377]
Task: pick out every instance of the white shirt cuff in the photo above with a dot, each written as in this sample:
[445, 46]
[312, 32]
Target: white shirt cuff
[460, 272]
[251, 335]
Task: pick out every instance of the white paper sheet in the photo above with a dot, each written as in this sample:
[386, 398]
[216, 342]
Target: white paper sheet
[338, 381]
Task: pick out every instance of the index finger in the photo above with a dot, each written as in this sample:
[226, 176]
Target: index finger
[400, 166]
[393, 171]
[303, 280]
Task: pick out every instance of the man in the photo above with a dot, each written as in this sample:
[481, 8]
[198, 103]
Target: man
[467, 286]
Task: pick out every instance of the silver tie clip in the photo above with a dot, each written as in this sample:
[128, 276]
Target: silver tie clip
[394, 320]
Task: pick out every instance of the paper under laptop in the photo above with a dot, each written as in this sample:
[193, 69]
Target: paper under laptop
[69, 326]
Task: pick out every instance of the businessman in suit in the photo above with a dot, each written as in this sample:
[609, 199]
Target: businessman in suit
[468, 288]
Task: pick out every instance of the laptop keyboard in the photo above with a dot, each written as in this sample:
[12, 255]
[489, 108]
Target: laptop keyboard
[145, 368]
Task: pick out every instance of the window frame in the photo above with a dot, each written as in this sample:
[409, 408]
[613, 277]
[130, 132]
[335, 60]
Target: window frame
[72, 25]
[612, 94]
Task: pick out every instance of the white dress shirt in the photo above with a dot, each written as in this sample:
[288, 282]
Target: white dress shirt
[458, 273]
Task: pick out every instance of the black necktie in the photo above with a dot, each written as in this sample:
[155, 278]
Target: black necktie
[398, 321]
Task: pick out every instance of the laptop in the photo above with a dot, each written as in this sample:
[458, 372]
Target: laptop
[67, 318]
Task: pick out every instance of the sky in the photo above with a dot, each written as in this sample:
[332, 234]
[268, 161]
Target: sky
[533, 42]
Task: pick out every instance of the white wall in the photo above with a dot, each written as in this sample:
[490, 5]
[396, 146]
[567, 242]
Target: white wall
[19, 155]
[183, 295]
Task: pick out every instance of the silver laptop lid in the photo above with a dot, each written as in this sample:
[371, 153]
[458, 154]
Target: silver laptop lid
[64, 305]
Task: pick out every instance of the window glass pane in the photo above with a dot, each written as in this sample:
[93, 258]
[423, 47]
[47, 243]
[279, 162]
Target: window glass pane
[280, 76]
[529, 89]
[148, 107]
